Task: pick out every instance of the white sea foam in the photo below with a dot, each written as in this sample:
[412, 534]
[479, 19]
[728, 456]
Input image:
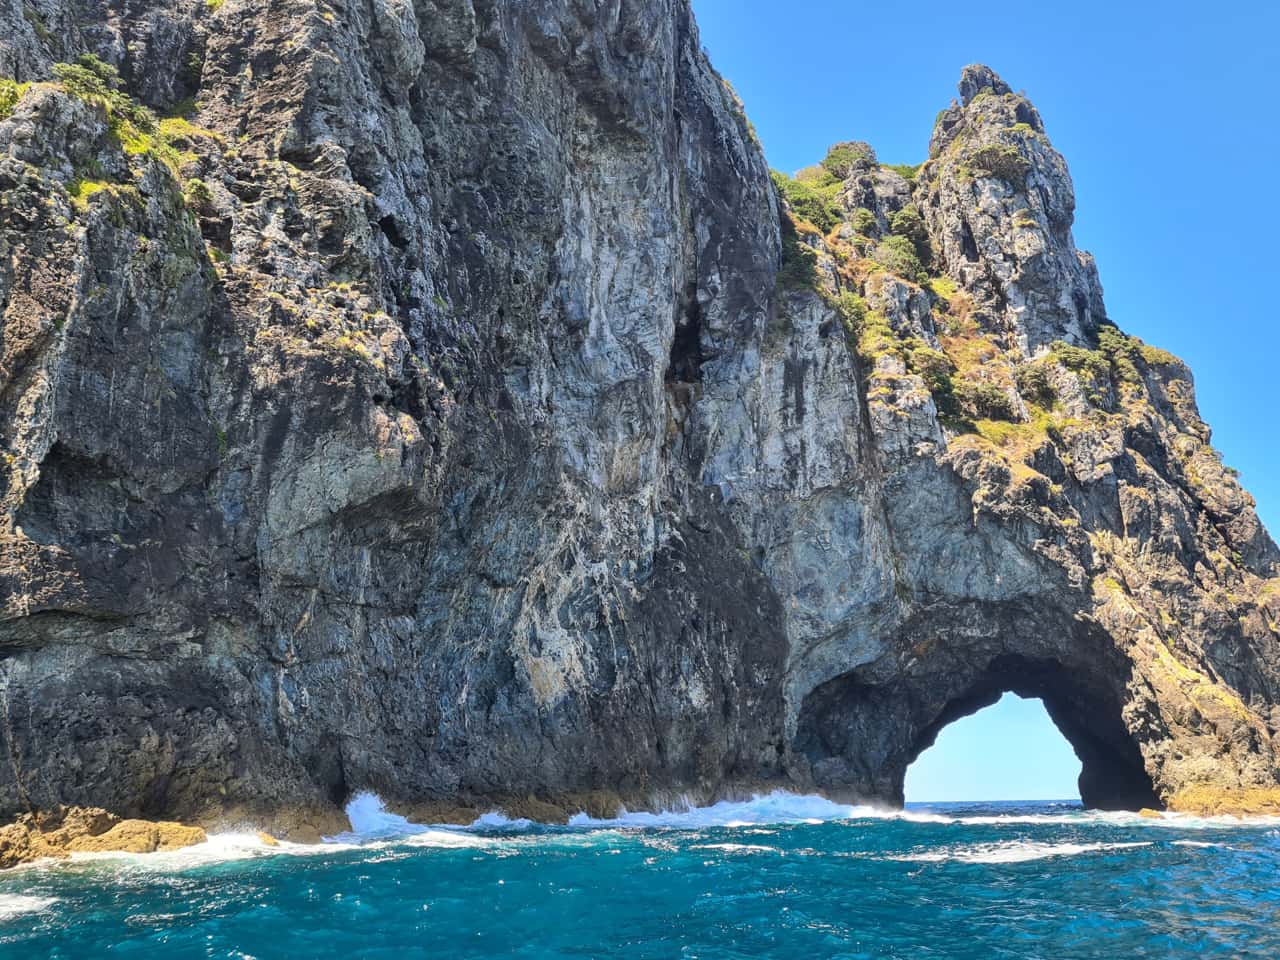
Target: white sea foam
[370, 819]
[775, 807]
[499, 821]
[1117, 818]
[735, 847]
[371, 822]
[16, 905]
[1012, 852]
[373, 826]
[219, 848]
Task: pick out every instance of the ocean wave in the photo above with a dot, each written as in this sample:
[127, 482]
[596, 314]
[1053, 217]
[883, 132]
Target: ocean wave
[370, 820]
[16, 905]
[777, 806]
[1082, 817]
[735, 847]
[1019, 851]
[219, 848]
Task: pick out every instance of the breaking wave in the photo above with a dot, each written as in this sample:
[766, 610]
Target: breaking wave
[1012, 852]
[15, 905]
[370, 820]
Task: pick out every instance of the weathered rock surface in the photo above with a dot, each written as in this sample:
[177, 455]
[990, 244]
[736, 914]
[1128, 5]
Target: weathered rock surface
[449, 407]
[63, 831]
[1210, 800]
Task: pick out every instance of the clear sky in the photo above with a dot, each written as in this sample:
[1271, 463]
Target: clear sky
[1009, 751]
[1169, 117]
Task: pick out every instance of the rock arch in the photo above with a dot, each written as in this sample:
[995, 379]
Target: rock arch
[860, 731]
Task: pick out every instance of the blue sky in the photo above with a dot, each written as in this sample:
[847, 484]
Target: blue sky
[1167, 114]
[1009, 751]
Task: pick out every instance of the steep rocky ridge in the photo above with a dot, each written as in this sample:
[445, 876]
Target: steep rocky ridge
[443, 401]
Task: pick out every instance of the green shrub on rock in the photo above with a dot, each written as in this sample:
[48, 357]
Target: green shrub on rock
[984, 401]
[1035, 384]
[935, 369]
[899, 255]
[10, 93]
[865, 222]
[94, 80]
[852, 309]
[908, 223]
[809, 200]
[798, 260]
[841, 158]
[1156, 357]
[1121, 351]
[996, 160]
[197, 192]
[1081, 361]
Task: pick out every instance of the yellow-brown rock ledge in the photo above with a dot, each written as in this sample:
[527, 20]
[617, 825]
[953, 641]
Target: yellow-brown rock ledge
[67, 830]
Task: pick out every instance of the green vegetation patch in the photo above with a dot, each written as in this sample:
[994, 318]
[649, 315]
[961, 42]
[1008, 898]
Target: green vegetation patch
[908, 223]
[979, 400]
[1156, 357]
[1081, 361]
[936, 370]
[798, 259]
[135, 127]
[1035, 384]
[10, 93]
[998, 160]
[843, 157]
[877, 338]
[811, 199]
[81, 191]
[907, 171]
[865, 223]
[898, 254]
[852, 310]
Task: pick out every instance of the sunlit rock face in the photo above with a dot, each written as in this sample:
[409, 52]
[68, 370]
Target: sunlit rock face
[444, 401]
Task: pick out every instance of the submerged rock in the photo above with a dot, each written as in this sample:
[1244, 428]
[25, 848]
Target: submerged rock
[443, 401]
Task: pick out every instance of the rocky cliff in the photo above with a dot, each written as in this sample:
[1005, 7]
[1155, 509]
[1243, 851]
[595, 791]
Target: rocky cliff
[439, 397]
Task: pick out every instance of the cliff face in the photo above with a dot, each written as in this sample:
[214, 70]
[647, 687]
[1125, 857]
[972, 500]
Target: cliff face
[444, 401]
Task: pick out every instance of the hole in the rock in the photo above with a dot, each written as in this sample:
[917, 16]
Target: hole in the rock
[1009, 751]
[859, 738]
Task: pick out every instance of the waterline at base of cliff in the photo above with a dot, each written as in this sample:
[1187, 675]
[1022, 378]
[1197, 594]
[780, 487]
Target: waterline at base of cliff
[779, 875]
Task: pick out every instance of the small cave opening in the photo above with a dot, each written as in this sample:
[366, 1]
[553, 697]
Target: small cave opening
[685, 365]
[968, 245]
[391, 230]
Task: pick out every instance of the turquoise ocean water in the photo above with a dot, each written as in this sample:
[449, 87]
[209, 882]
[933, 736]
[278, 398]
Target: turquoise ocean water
[781, 876]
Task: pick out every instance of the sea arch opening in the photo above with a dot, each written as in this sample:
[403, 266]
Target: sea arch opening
[858, 735]
[1009, 751]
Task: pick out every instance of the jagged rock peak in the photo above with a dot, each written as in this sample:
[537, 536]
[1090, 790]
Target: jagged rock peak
[976, 78]
[1000, 204]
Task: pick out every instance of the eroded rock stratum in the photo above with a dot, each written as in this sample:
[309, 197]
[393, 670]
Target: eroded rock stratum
[440, 398]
